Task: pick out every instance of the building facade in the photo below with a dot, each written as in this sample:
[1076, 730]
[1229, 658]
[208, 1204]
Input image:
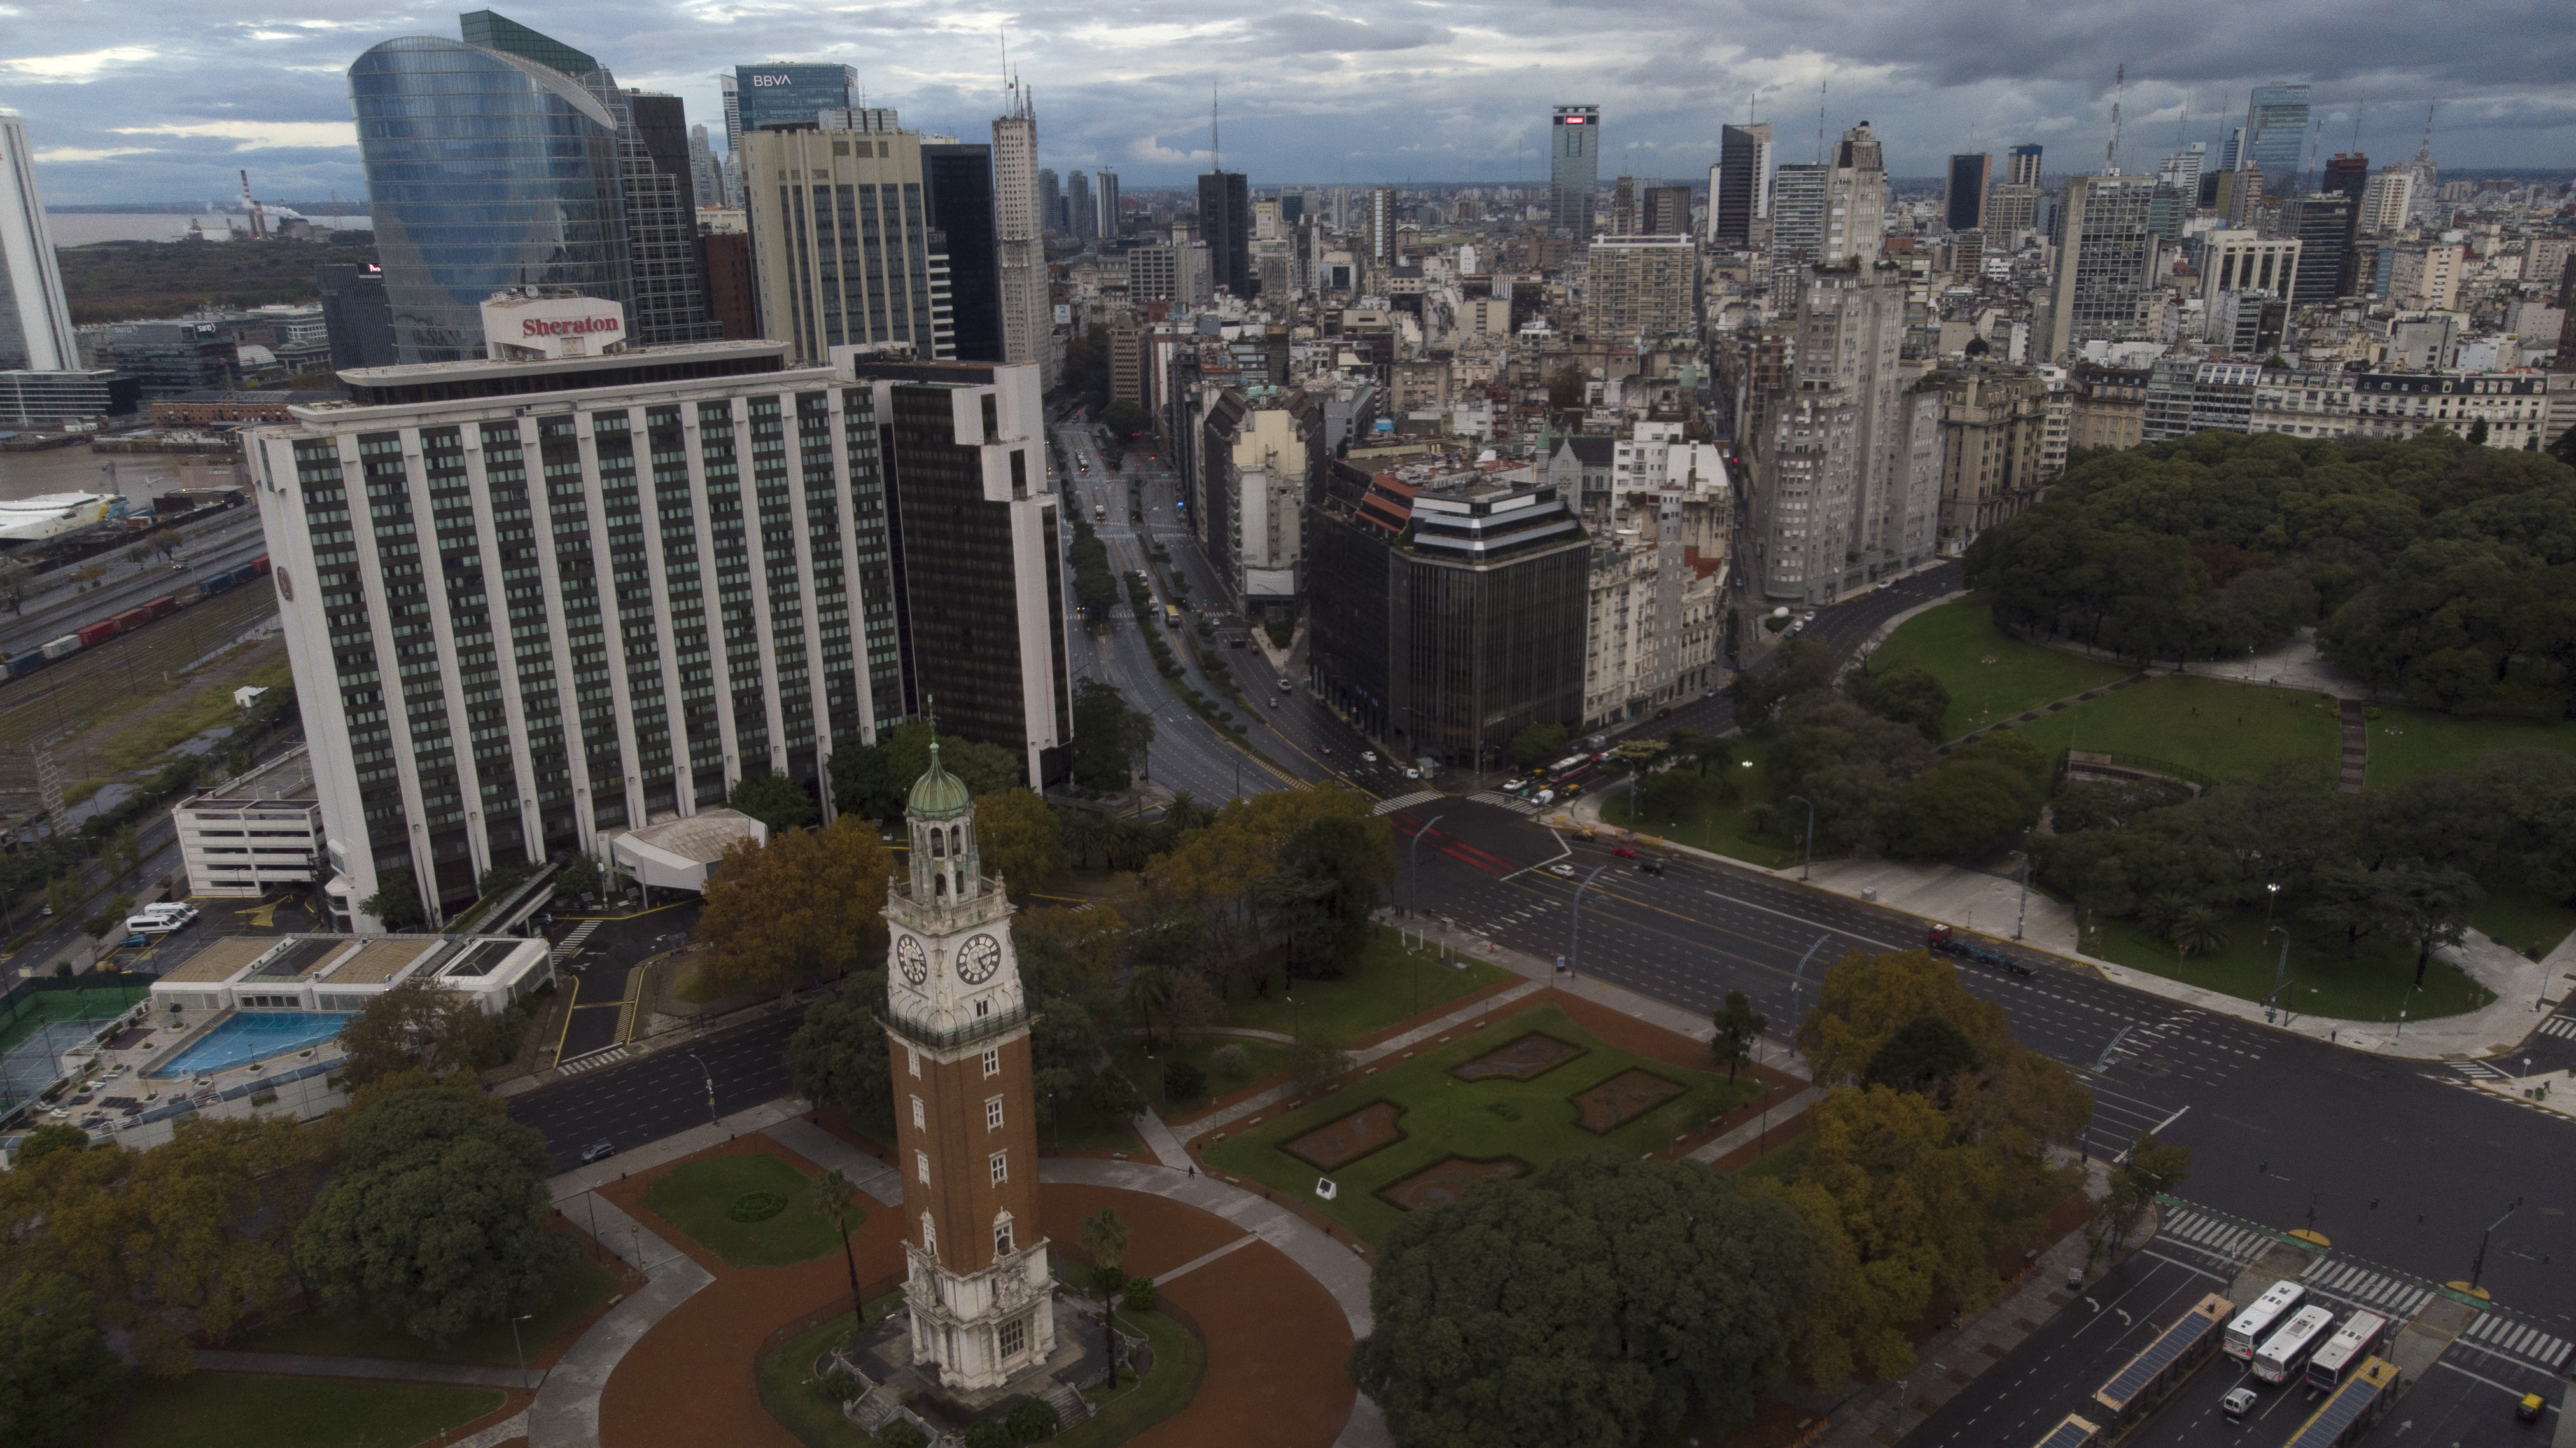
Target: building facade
[841, 241]
[1225, 224]
[1739, 186]
[788, 95]
[1840, 499]
[1963, 206]
[2106, 254]
[1021, 220]
[1642, 288]
[1574, 169]
[35, 320]
[257, 833]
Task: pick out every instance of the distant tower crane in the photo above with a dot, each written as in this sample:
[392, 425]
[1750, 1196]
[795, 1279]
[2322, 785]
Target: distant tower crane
[258, 218]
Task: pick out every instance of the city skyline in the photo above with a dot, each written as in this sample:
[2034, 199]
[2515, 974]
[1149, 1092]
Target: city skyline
[1320, 98]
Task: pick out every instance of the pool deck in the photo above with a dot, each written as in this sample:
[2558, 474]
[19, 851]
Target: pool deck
[174, 1062]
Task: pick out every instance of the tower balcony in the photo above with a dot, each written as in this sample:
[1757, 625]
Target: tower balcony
[961, 1031]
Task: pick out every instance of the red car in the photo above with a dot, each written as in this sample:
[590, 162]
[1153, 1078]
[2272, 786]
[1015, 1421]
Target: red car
[1622, 852]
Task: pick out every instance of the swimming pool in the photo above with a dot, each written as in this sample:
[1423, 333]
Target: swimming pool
[252, 1036]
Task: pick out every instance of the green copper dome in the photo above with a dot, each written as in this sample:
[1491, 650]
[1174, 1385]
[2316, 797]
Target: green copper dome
[938, 795]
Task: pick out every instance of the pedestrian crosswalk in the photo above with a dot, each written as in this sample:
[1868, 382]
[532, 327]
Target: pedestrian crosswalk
[2219, 1236]
[1407, 801]
[2380, 1291]
[1510, 802]
[595, 1058]
[2479, 1071]
[2563, 1027]
[579, 934]
[2498, 1333]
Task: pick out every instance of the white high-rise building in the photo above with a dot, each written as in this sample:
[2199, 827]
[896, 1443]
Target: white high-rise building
[2386, 202]
[1855, 200]
[1838, 495]
[1027, 320]
[35, 321]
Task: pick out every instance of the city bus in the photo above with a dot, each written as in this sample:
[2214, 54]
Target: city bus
[1566, 770]
[2251, 1325]
[1171, 616]
[2285, 1352]
[2346, 1350]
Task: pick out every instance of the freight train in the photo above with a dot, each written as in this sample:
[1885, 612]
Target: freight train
[92, 635]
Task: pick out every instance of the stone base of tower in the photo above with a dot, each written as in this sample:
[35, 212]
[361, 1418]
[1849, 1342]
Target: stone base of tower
[981, 1329]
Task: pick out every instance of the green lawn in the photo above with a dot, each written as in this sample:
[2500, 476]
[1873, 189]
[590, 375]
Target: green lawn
[1262, 1058]
[2220, 728]
[2407, 742]
[1079, 1128]
[246, 1410]
[1444, 1117]
[579, 1286]
[2520, 920]
[1120, 1414]
[1386, 987]
[1991, 676]
[1756, 829]
[788, 1392]
[2322, 982]
[698, 1198]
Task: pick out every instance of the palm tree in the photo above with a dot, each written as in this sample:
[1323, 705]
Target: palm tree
[1104, 1236]
[839, 1201]
[2197, 930]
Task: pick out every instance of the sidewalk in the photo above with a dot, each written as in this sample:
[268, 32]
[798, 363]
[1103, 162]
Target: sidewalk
[1996, 906]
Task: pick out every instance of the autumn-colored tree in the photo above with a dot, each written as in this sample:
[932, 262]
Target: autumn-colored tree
[805, 903]
[418, 1025]
[1020, 839]
[1866, 1000]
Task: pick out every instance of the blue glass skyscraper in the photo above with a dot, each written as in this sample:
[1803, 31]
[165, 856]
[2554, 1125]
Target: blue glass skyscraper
[484, 171]
[790, 95]
[2276, 135]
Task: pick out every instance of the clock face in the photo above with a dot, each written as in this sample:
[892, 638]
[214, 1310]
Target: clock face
[907, 954]
[977, 959]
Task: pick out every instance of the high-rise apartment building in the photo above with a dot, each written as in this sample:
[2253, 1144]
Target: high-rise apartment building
[522, 631]
[1855, 199]
[1050, 202]
[1377, 226]
[2386, 201]
[706, 173]
[1225, 224]
[1842, 497]
[729, 85]
[1963, 208]
[2106, 251]
[485, 170]
[1797, 216]
[2011, 210]
[2180, 173]
[1080, 208]
[1739, 186]
[1574, 169]
[2021, 166]
[2276, 134]
[1021, 192]
[35, 321]
[957, 182]
[1104, 185]
[841, 241]
[1641, 288]
[793, 95]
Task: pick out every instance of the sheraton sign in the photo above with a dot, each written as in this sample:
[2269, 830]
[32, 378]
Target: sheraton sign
[535, 326]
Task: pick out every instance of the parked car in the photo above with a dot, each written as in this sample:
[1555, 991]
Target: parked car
[596, 1150]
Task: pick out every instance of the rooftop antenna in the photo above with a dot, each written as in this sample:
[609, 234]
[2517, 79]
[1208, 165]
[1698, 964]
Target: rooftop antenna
[1820, 119]
[2357, 108]
[2111, 152]
[1216, 146]
[2425, 151]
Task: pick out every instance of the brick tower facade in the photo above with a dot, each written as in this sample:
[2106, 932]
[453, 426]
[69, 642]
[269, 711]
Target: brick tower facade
[957, 1027]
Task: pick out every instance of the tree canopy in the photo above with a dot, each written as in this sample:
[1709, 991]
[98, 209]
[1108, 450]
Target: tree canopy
[2433, 568]
[437, 1217]
[774, 800]
[806, 902]
[1588, 1305]
[61, 1375]
[1021, 840]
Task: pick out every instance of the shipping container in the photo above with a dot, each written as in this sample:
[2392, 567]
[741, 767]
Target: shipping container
[216, 583]
[64, 647]
[132, 619]
[189, 596]
[162, 607]
[28, 663]
[249, 571]
[98, 633]
[260, 563]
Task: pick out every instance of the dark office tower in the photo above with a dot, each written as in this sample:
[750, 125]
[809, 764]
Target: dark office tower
[1225, 224]
[1050, 204]
[494, 31]
[958, 180]
[2322, 222]
[670, 300]
[1292, 207]
[356, 316]
[1665, 211]
[793, 95]
[2348, 173]
[1574, 169]
[2021, 166]
[1104, 185]
[1970, 174]
[484, 171]
[1084, 214]
[1739, 189]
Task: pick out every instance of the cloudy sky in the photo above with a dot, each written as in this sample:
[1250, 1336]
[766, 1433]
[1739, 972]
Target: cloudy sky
[163, 102]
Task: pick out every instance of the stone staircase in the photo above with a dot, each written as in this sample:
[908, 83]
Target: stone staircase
[1070, 1406]
[872, 1412]
[2356, 748]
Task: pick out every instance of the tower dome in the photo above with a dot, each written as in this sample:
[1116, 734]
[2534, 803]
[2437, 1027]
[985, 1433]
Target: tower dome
[938, 795]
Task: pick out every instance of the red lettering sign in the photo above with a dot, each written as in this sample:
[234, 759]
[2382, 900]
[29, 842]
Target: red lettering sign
[534, 327]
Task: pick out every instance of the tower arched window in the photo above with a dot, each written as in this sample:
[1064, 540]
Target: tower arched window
[939, 885]
[929, 1236]
[956, 839]
[938, 846]
[1002, 1235]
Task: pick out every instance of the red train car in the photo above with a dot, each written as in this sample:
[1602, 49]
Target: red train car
[260, 563]
[98, 633]
[162, 607]
[131, 619]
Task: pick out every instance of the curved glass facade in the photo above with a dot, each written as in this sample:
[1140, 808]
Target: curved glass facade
[484, 171]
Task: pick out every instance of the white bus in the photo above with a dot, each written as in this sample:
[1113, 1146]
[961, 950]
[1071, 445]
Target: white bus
[2286, 1351]
[2250, 1325]
[2348, 1349]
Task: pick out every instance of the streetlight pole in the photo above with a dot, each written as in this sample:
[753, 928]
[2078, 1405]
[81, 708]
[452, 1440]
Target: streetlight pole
[1413, 887]
[712, 1119]
[2479, 1267]
[2022, 913]
[517, 1348]
[1574, 948]
[1797, 987]
[1809, 867]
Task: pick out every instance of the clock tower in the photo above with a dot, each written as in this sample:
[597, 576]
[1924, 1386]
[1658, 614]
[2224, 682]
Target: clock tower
[957, 1029]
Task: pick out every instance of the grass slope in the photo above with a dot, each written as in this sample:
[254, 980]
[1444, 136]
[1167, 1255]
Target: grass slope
[1384, 987]
[2407, 742]
[2372, 987]
[578, 1286]
[2220, 728]
[698, 1198]
[1991, 676]
[242, 1410]
[1445, 1117]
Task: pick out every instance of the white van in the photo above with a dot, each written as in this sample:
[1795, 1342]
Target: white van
[153, 924]
[183, 913]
